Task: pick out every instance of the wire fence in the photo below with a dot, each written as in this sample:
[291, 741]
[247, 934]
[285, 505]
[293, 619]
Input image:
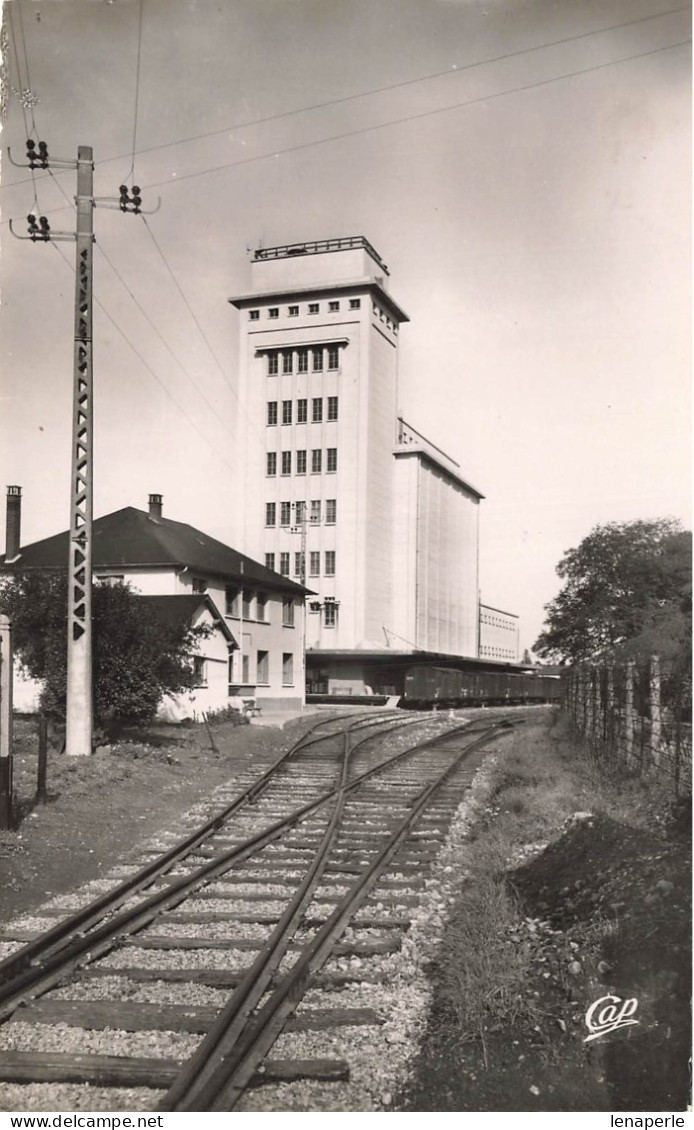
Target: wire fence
[636, 716]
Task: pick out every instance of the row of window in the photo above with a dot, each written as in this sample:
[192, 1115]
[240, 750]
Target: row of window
[383, 317]
[245, 604]
[285, 560]
[311, 308]
[262, 668]
[302, 411]
[314, 516]
[318, 464]
[301, 462]
[297, 360]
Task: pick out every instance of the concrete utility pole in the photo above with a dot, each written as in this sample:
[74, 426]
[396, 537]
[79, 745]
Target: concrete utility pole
[78, 731]
[79, 717]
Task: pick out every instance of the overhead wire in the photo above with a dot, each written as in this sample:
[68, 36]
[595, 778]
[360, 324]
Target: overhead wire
[201, 330]
[148, 367]
[454, 69]
[160, 336]
[172, 181]
[24, 94]
[137, 91]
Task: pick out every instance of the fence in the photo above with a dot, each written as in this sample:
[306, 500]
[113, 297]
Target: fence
[636, 716]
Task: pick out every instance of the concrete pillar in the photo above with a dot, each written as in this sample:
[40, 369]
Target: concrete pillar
[5, 723]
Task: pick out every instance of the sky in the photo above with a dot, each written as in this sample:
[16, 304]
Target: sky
[522, 166]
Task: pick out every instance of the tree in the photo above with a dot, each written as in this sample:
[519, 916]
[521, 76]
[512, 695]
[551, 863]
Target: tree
[137, 658]
[627, 591]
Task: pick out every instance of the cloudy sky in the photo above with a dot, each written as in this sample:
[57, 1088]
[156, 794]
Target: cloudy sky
[521, 165]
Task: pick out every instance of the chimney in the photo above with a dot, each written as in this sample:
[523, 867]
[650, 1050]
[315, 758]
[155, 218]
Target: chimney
[155, 506]
[13, 523]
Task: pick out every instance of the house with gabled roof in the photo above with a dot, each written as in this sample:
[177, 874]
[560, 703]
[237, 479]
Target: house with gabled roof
[254, 653]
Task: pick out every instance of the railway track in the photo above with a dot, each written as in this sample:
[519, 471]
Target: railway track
[289, 890]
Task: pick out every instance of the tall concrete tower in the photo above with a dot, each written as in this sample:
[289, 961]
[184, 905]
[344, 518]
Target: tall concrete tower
[318, 383]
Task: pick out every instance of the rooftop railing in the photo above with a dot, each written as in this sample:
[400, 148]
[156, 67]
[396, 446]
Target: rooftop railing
[320, 247]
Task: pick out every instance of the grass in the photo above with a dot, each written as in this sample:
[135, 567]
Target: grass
[544, 775]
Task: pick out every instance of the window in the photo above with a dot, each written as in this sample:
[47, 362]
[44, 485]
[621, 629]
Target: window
[262, 667]
[286, 462]
[332, 408]
[200, 671]
[285, 513]
[244, 669]
[271, 468]
[293, 311]
[331, 511]
[315, 510]
[231, 600]
[333, 307]
[301, 411]
[270, 513]
[284, 564]
[301, 462]
[286, 411]
[271, 413]
[287, 359]
[273, 312]
[270, 561]
[333, 357]
[302, 360]
[329, 615]
[314, 564]
[300, 511]
[287, 669]
[254, 315]
[111, 579]
[272, 367]
[298, 564]
[199, 585]
[332, 459]
[317, 360]
[317, 406]
[313, 307]
[261, 607]
[316, 461]
[330, 563]
[355, 303]
[246, 598]
[287, 607]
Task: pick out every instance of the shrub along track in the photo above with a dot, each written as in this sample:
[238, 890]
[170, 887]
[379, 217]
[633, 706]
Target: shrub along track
[265, 880]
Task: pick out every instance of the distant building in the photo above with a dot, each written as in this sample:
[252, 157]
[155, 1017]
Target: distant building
[336, 489]
[255, 650]
[499, 635]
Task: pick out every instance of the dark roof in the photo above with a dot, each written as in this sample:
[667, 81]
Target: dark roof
[181, 609]
[130, 537]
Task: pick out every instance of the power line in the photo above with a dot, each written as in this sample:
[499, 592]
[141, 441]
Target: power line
[169, 182]
[201, 331]
[160, 335]
[416, 117]
[149, 368]
[137, 89]
[453, 70]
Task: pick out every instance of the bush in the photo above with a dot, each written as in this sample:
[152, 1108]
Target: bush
[137, 658]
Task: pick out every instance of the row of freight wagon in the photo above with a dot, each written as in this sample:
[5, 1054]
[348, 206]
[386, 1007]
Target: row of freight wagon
[443, 687]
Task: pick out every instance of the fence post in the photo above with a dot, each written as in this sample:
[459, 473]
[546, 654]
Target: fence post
[654, 695]
[41, 794]
[629, 713]
[5, 723]
[609, 727]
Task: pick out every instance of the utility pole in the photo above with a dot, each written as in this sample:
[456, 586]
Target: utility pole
[78, 727]
[79, 711]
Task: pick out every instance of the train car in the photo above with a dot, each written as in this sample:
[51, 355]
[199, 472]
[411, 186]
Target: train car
[428, 688]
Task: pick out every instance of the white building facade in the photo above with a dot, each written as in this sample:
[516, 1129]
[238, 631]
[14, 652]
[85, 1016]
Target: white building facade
[338, 491]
